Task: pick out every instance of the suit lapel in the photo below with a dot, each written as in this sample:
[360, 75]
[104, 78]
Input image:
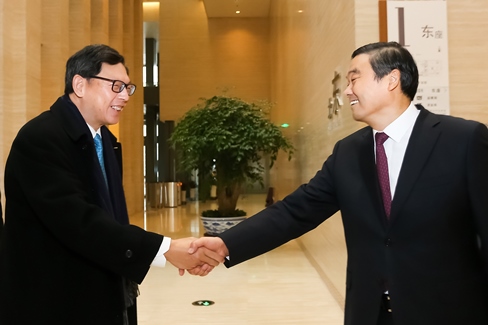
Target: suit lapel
[368, 172]
[112, 152]
[421, 143]
[75, 126]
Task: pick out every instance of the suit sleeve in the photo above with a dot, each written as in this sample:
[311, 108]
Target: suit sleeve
[48, 187]
[301, 211]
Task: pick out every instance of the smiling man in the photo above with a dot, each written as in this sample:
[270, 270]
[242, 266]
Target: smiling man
[412, 189]
[68, 253]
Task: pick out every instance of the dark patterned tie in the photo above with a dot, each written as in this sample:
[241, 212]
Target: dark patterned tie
[382, 169]
[99, 149]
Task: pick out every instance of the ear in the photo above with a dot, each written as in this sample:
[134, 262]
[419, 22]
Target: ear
[394, 79]
[79, 85]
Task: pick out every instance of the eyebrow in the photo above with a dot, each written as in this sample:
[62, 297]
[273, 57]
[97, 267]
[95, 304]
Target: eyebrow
[353, 71]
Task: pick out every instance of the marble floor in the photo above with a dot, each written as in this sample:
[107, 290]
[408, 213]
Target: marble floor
[280, 287]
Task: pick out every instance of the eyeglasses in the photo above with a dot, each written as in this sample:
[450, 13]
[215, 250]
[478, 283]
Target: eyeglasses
[118, 86]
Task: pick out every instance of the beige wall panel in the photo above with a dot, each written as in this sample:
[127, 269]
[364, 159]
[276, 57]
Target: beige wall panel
[80, 24]
[21, 72]
[116, 38]
[468, 66]
[33, 59]
[131, 123]
[129, 41]
[136, 175]
[366, 18]
[54, 53]
[116, 24]
[99, 22]
[308, 48]
[202, 57]
[13, 72]
[137, 151]
[3, 147]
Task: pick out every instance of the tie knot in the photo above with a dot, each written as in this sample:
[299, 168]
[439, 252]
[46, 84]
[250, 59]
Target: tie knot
[381, 137]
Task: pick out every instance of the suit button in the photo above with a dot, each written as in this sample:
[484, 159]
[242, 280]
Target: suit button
[128, 253]
[388, 242]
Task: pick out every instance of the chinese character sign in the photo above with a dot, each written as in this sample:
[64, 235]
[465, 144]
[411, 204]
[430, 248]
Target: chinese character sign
[421, 26]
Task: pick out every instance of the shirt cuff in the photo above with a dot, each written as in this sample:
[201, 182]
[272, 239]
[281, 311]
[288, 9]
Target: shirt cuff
[160, 259]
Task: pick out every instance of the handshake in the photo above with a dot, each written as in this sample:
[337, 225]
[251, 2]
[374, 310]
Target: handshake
[196, 256]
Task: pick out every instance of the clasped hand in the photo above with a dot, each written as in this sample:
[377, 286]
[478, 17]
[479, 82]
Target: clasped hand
[196, 256]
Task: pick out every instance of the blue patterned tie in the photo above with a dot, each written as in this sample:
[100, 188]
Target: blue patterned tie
[382, 168]
[99, 149]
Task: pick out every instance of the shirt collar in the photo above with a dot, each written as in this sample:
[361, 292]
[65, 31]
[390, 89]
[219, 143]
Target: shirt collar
[93, 132]
[399, 127]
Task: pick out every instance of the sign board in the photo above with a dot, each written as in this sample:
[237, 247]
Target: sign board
[421, 27]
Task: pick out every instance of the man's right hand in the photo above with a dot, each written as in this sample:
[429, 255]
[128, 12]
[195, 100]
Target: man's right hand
[204, 260]
[214, 246]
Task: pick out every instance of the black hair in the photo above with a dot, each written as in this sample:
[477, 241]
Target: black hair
[387, 56]
[88, 62]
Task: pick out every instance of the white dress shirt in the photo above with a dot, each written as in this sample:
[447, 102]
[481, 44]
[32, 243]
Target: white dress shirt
[399, 132]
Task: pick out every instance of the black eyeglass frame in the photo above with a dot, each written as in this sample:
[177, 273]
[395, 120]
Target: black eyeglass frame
[130, 87]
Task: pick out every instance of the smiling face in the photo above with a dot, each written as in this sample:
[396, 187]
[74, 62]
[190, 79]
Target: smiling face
[98, 104]
[368, 96]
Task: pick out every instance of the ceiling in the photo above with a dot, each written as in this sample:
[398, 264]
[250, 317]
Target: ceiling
[213, 8]
[228, 8]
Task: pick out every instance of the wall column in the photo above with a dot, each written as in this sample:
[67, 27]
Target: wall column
[20, 72]
[131, 123]
[99, 22]
[79, 28]
[56, 23]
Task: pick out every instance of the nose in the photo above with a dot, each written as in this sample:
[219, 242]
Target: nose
[124, 94]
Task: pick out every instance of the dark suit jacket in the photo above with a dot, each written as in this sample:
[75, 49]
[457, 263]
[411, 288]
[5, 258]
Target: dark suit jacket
[66, 243]
[427, 256]
[1, 216]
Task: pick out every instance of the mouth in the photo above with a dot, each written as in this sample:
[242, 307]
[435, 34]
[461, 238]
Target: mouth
[117, 108]
[354, 102]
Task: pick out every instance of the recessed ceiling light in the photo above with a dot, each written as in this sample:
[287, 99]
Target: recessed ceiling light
[238, 11]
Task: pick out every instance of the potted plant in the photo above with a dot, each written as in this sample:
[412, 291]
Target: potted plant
[225, 138]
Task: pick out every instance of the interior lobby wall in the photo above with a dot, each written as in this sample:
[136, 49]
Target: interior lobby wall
[312, 42]
[468, 66]
[201, 57]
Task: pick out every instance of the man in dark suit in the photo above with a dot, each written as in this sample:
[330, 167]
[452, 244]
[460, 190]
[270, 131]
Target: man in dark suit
[417, 242]
[68, 253]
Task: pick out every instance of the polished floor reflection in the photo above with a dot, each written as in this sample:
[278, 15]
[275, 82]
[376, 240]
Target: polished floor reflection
[280, 287]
